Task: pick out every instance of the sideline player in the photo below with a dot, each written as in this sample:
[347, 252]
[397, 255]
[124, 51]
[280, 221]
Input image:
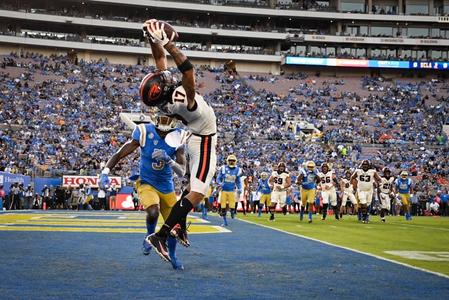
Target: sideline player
[158, 161]
[263, 188]
[161, 89]
[308, 180]
[404, 186]
[385, 192]
[279, 181]
[348, 193]
[363, 179]
[229, 178]
[328, 182]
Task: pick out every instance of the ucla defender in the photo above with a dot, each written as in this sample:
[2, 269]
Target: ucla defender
[363, 180]
[264, 190]
[158, 160]
[404, 186]
[328, 183]
[308, 180]
[279, 181]
[348, 193]
[180, 100]
[385, 192]
[229, 179]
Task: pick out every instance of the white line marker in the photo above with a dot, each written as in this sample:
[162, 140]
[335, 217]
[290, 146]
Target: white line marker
[350, 249]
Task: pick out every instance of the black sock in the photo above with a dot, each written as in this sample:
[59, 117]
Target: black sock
[178, 214]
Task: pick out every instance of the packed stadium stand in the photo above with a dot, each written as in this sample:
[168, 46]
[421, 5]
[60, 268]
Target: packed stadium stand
[355, 71]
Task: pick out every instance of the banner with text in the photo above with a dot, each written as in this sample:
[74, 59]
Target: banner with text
[75, 181]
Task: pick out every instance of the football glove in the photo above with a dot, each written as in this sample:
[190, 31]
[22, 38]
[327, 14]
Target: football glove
[154, 30]
[159, 154]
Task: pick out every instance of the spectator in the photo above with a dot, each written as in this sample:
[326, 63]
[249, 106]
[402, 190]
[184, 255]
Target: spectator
[29, 192]
[444, 203]
[2, 197]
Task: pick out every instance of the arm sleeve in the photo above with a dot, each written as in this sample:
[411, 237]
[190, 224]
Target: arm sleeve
[136, 134]
[220, 176]
[239, 180]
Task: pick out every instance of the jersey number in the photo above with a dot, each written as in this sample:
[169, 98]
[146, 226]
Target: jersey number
[179, 96]
[278, 180]
[386, 186]
[366, 178]
[326, 180]
[158, 165]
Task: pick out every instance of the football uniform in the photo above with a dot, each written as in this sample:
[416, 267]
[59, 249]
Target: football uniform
[328, 191]
[365, 185]
[348, 192]
[404, 187]
[229, 179]
[308, 186]
[201, 145]
[155, 185]
[385, 192]
[279, 194]
[265, 192]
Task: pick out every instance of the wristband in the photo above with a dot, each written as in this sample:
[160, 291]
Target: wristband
[185, 66]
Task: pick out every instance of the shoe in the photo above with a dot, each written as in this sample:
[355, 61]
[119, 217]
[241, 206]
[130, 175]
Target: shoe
[310, 221]
[176, 264]
[181, 234]
[160, 246]
[323, 218]
[146, 248]
[272, 218]
[383, 220]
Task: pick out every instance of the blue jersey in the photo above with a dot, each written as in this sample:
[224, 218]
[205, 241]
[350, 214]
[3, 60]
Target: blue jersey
[404, 185]
[308, 179]
[154, 172]
[230, 178]
[263, 187]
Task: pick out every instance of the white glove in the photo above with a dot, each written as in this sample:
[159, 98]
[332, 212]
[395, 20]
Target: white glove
[155, 31]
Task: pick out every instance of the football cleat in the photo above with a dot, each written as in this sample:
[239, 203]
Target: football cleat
[180, 235]
[146, 248]
[176, 264]
[160, 246]
[383, 220]
[310, 221]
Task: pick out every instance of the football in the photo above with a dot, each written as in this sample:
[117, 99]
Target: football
[169, 30]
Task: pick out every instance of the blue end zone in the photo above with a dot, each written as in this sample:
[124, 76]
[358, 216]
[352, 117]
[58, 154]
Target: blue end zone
[252, 262]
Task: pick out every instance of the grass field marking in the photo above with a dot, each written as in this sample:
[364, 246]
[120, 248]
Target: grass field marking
[221, 228]
[350, 249]
[425, 227]
[421, 255]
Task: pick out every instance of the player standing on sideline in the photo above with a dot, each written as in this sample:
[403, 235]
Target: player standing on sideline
[404, 186]
[279, 181]
[229, 178]
[264, 190]
[363, 179]
[158, 160]
[348, 193]
[385, 192]
[308, 180]
[163, 91]
[328, 182]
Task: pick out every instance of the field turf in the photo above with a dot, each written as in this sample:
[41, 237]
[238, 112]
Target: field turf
[421, 234]
[97, 255]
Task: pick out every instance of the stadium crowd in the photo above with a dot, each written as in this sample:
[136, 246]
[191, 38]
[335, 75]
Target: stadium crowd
[48, 126]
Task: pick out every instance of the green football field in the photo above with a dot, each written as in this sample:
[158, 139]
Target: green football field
[422, 242]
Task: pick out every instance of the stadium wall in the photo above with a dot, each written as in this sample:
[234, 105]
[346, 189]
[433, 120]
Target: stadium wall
[131, 59]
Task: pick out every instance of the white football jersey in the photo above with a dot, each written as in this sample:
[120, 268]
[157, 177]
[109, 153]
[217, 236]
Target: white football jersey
[279, 180]
[326, 180]
[201, 120]
[365, 180]
[386, 184]
[347, 186]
